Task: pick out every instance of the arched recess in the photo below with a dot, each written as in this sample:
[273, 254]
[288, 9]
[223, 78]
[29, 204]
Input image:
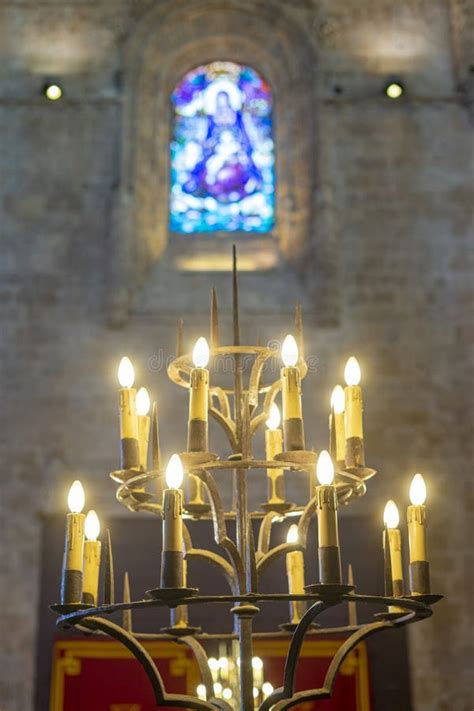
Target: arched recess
[169, 40]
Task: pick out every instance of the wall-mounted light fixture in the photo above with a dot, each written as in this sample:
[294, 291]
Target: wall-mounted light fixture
[52, 91]
[393, 89]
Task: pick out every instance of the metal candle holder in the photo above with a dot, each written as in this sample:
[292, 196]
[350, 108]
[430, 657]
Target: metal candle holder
[245, 561]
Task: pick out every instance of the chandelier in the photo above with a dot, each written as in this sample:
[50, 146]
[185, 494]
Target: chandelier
[338, 475]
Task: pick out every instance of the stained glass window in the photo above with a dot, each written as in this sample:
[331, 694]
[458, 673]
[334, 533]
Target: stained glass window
[222, 151]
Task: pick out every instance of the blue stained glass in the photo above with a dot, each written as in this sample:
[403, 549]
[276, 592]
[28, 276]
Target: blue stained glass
[222, 151]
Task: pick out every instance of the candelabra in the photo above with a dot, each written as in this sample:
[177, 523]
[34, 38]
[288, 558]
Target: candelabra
[241, 410]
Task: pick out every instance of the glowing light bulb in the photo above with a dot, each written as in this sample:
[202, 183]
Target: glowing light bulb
[213, 664]
[126, 373]
[352, 371]
[92, 526]
[292, 535]
[325, 468]
[174, 472]
[391, 517]
[76, 498]
[289, 351]
[227, 693]
[217, 688]
[394, 90]
[257, 663]
[255, 692]
[201, 353]
[267, 688]
[274, 419]
[201, 692]
[223, 662]
[143, 402]
[337, 400]
[53, 92]
[418, 490]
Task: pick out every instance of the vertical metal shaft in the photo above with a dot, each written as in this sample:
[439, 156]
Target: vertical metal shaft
[214, 320]
[243, 626]
[246, 672]
[180, 338]
[238, 388]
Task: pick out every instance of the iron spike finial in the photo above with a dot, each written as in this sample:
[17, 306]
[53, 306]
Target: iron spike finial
[352, 606]
[109, 580]
[180, 338]
[214, 320]
[155, 440]
[299, 330]
[127, 614]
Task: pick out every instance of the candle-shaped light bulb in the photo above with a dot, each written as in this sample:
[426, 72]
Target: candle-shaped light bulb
[172, 564]
[201, 353]
[352, 371]
[198, 410]
[144, 422]
[337, 428]
[328, 536]
[267, 688]
[292, 535]
[174, 472]
[295, 575]
[354, 455]
[274, 420]
[201, 692]
[291, 396]
[143, 402]
[213, 664]
[418, 490]
[257, 663]
[337, 400]
[71, 575]
[391, 517]
[92, 526]
[325, 469]
[126, 373]
[289, 351]
[129, 446]
[90, 587]
[76, 498]
[392, 543]
[416, 518]
[273, 447]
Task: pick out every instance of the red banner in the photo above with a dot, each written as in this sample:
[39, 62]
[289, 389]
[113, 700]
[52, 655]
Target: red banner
[101, 675]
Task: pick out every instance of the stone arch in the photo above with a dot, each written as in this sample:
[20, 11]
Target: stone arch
[169, 40]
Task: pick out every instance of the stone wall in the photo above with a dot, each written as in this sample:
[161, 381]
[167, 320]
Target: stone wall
[392, 205]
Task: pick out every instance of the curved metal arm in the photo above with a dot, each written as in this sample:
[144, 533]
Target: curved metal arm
[220, 528]
[276, 552]
[256, 374]
[139, 652]
[305, 520]
[218, 562]
[202, 661]
[227, 425]
[264, 533]
[223, 399]
[293, 654]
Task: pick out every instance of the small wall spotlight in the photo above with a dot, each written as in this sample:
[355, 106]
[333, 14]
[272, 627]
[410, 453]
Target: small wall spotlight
[394, 89]
[53, 92]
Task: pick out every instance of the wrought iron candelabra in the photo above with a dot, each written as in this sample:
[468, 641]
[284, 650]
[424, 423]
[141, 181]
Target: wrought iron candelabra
[241, 410]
